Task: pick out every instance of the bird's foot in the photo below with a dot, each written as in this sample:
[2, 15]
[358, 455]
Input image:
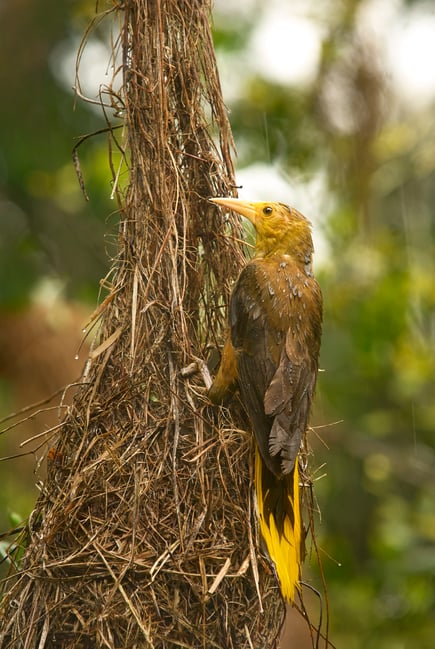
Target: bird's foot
[198, 367]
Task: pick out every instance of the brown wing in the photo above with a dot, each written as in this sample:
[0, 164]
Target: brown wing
[288, 400]
[276, 368]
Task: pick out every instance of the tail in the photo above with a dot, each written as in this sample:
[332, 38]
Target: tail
[280, 523]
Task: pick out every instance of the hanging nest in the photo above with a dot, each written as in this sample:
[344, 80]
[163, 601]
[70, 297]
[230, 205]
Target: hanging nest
[144, 534]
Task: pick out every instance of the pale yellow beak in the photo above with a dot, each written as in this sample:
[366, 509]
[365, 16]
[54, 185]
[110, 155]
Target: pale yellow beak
[245, 208]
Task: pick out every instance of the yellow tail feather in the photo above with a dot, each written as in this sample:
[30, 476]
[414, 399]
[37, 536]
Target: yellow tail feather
[283, 537]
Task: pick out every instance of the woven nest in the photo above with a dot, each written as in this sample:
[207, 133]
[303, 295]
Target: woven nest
[144, 534]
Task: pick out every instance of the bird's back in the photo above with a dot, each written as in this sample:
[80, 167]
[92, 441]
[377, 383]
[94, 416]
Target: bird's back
[275, 320]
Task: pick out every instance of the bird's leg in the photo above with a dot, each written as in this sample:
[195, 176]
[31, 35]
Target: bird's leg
[225, 381]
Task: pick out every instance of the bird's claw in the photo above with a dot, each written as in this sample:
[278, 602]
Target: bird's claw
[198, 367]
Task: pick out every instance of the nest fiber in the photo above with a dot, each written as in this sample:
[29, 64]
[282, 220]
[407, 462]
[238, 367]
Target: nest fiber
[144, 534]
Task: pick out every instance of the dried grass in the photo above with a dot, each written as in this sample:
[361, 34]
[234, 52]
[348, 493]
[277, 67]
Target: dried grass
[144, 534]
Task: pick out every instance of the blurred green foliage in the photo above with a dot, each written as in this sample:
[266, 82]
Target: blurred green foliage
[377, 499]
[46, 227]
[377, 530]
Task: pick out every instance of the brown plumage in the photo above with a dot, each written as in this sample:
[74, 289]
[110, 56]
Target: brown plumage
[271, 356]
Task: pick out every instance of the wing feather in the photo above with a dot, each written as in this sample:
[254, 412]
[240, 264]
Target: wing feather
[276, 372]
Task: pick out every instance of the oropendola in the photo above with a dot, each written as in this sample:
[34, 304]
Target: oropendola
[271, 357]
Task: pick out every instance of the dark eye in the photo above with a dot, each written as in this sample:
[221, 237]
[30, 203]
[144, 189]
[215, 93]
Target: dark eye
[267, 210]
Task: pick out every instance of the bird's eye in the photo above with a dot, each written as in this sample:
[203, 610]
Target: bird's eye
[267, 210]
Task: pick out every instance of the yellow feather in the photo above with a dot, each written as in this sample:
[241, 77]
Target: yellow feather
[284, 549]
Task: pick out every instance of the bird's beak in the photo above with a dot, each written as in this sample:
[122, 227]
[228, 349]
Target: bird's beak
[245, 208]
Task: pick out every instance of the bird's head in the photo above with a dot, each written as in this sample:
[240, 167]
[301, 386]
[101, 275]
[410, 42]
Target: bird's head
[280, 229]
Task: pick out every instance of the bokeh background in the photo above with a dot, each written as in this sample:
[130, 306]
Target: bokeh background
[332, 105]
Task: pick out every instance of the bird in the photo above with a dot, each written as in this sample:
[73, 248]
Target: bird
[270, 356]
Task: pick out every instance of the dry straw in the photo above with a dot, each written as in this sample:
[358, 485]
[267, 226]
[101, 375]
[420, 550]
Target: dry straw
[144, 534]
